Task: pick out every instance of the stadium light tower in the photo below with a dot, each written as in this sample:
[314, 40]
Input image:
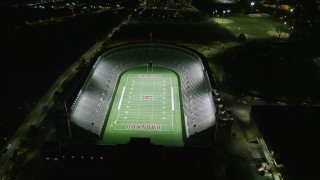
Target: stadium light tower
[252, 4]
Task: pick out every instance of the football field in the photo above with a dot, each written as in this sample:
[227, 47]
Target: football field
[146, 104]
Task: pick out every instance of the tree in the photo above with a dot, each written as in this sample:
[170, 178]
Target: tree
[279, 29]
[57, 97]
[242, 37]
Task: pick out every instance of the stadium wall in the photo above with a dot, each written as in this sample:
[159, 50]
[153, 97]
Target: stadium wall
[94, 99]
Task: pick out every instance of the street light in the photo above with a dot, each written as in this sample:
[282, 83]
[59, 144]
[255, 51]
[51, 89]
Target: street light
[228, 11]
[223, 15]
[252, 4]
[291, 14]
[216, 12]
[291, 30]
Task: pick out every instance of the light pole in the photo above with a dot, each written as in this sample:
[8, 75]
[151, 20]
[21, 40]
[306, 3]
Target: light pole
[212, 13]
[291, 30]
[228, 11]
[216, 12]
[223, 16]
[252, 4]
[291, 14]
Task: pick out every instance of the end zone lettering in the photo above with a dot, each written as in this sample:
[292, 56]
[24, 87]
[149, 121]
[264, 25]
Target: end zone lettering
[144, 126]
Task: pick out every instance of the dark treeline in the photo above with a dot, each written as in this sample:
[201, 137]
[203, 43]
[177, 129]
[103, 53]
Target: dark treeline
[35, 56]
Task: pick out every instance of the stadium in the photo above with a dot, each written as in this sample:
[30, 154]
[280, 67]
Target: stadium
[159, 91]
[142, 110]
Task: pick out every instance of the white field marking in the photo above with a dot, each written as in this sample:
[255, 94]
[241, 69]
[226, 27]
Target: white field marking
[186, 126]
[153, 118]
[172, 99]
[124, 88]
[141, 90]
[120, 102]
[121, 129]
[153, 102]
[168, 122]
[157, 120]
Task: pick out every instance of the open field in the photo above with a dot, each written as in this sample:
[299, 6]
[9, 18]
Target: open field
[254, 27]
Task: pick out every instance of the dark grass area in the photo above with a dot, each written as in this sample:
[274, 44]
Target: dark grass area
[238, 168]
[292, 133]
[275, 69]
[173, 32]
[137, 159]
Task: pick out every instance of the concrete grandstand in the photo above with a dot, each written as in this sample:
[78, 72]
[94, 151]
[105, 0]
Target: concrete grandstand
[93, 104]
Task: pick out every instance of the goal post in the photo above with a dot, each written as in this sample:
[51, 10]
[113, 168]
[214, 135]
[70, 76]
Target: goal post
[150, 66]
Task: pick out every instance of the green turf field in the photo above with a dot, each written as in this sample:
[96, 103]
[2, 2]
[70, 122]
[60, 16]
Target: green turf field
[259, 27]
[146, 104]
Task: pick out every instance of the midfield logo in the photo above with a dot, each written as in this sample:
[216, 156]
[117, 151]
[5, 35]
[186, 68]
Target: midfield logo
[148, 97]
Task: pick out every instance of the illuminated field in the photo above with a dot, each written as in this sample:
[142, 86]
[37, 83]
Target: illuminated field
[146, 104]
[260, 26]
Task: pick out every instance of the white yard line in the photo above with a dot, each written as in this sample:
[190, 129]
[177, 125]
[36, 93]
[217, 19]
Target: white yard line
[123, 89]
[153, 97]
[141, 91]
[172, 99]
[172, 102]
[186, 125]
